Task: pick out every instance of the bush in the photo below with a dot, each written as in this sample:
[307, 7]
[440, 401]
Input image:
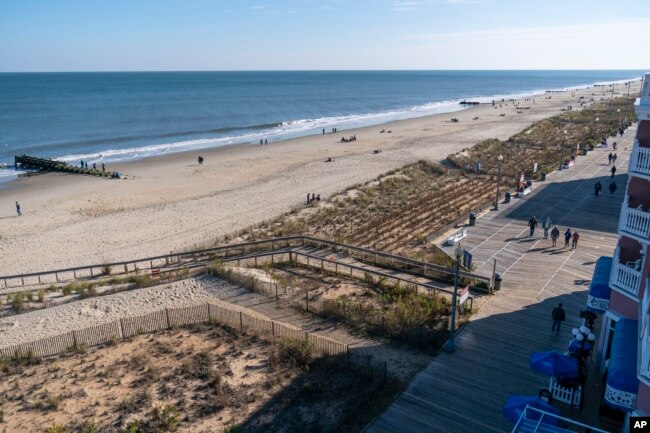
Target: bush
[295, 353]
[56, 428]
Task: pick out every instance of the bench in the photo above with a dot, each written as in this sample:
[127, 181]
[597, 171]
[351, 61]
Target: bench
[456, 237]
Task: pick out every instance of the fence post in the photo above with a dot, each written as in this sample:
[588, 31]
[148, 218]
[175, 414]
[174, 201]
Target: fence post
[74, 274]
[253, 283]
[126, 269]
[121, 330]
[91, 274]
[307, 299]
[169, 326]
[347, 355]
[56, 274]
[273, 332]
[241, 322]
[39, 280]
[74, 338]
[276, 292]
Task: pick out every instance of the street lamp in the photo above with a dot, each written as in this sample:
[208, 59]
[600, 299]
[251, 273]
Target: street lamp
[618, 117]
[496, 202]
[562, 147]
[451, 344]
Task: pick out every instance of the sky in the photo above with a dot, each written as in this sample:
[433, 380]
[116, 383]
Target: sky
[146, 35]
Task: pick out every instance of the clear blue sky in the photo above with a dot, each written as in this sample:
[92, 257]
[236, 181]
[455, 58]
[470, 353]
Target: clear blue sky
[127, 35]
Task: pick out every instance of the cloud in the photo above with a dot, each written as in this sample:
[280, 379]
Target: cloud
[258, 7]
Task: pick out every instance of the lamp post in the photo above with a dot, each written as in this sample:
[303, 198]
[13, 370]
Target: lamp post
[451, 344]
[562, 147]
[618, 117]
[496, 202]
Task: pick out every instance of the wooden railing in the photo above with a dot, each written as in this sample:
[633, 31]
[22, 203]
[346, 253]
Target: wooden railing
[636, 222]
[204, 256]
[640, 159]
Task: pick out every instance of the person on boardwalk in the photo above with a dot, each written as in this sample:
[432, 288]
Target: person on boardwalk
[576, 236]
[555, 234]
[612, 188]
[532, 223]
[546, 225]
[613, 171]
[567, 238]
[18, 209]
[609, 158]
[614, 158]
[558, 317]
[597, 188]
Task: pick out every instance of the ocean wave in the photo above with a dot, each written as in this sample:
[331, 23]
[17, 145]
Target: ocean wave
[290, 128]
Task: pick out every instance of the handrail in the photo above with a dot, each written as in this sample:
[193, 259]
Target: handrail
[543, 413]
[255, 244]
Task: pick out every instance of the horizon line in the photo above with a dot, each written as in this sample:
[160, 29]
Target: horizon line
[314, 70]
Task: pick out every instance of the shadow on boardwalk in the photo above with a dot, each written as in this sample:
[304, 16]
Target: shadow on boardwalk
[466, 391]
[596, 213]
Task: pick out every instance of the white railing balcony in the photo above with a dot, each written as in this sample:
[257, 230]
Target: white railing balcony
[640, 159]
[626, 277]
[635, 222]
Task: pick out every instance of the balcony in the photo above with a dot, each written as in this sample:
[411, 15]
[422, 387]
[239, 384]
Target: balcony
[640, 160]
[635, 221]
[626, 275]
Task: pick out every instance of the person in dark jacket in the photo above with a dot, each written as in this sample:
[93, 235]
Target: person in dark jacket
[555, 234]
[597, 188]
[567, 238]
[613, 170]
[558, 317]
[532, 223]
[612, 188]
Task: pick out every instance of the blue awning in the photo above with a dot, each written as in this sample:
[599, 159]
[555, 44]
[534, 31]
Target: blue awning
[599, 290]
[622, 383]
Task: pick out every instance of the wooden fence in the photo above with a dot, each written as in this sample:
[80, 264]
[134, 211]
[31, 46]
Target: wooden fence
[189, 259]
[171, 318]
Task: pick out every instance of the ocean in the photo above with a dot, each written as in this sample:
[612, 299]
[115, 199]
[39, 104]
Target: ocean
[130, 115]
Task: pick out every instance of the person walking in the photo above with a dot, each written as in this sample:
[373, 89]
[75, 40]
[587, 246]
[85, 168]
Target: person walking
[609, 158]
[576, 236]
[103, 167]
[555, 234]
[612, 187]
[597, 188]
[546, 225]
[567, 238]
[18, 209]
[532, 223]
[614, 158]
[558, 317]
[613, 171]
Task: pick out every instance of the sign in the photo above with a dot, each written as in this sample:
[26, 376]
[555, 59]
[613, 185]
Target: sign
[639, 424]
[463, 295]
[467, 259]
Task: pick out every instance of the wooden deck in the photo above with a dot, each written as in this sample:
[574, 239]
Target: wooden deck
[465, 391]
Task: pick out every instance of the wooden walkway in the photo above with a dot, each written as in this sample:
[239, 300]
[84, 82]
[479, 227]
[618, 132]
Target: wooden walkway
[465, 391]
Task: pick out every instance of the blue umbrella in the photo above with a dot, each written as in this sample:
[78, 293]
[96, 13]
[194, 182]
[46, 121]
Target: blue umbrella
[517, 403]
[554, 364]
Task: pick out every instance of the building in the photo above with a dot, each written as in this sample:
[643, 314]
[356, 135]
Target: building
[619, 288]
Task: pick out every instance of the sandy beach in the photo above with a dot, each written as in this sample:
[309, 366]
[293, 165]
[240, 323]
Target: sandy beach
[170, 203]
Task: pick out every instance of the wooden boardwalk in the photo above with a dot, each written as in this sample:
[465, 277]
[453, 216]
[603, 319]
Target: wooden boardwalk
[465, 391]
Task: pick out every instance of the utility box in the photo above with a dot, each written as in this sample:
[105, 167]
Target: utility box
[472, 219]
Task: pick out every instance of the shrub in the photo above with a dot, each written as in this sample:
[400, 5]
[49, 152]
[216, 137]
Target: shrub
[233, 429]
[56, 428]
[295, 353]
[19, 301]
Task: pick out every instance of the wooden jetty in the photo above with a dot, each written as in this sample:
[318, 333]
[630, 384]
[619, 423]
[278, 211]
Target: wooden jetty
[42, 164]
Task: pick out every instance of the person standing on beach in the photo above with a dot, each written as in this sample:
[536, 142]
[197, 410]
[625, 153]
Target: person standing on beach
[18, 209]
[567, 238]
[576, 236]
[103, 167]
[558, 317]
[532, 223]
[555, 234]
[546, 225]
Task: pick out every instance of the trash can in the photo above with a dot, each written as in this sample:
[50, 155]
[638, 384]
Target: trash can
[584, 152]
[507, 198]
[472, 219]
[497, 281]
[542, 176]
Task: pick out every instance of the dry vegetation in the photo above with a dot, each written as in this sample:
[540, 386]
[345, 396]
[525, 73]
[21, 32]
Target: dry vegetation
[200, 379]
[373, 307]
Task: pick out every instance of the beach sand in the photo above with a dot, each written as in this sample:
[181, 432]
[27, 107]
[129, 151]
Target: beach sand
[171, 203]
